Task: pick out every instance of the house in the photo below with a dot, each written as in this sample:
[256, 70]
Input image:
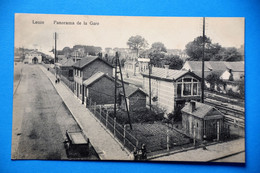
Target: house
[33, 57]
[136, 98]
[170, 89]
[100, 88]
[131, 67]
[224, 68]
[65, 68]
[201, 121]
[234, 71]
[87, 67]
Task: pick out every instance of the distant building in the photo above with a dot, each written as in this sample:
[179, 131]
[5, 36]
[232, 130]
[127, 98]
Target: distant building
[33, 57]
[170, 89]
[131, 66]
[65, 68]
[99, 88]
[136, 98]
[201, 120]
[87, 67]
[224, 68]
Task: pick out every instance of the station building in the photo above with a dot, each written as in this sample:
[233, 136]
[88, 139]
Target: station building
[33, 57]
[170, 89]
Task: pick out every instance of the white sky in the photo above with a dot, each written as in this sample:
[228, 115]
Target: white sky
[114, 31]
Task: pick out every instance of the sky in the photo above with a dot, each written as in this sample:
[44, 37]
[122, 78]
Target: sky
[36, 31]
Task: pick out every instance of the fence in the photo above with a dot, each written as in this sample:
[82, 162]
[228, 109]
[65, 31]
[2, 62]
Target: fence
[52, 70]
[119, 131]
[70, 84]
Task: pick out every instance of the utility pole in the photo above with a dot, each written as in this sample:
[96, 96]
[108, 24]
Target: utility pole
[120, 86]
[55, 53]
[203, 54]
[150, 90]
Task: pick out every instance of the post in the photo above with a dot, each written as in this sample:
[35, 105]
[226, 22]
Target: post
[150, 90]
[194, 135]
[95, 108]
[203, 54]
[100, 112]
[218, 130]
[90, 102]
[82, 94]
[55, 53]
[137, 144]
[114, 126]
[115, 102]
[124, 133]
[106, 118]
[168, 140]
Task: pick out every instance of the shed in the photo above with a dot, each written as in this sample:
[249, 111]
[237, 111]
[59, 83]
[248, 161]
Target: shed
[136, 98]
[201, 120]
[99, 88]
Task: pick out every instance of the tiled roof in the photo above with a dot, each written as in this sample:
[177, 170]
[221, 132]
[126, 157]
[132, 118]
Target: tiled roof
[87, 60]
[216, 65]
[201, 109]
[129, 90]
[236, 66]
[66, 62]
[170, 75]
[93, 78]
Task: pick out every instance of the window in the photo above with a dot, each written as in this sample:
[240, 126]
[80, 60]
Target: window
[195, 87]
[187, 79]
[80, 89]
[70, 73]
[187, 89]
[179, 90]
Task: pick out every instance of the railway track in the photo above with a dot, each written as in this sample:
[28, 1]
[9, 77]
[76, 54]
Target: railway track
[232, 115]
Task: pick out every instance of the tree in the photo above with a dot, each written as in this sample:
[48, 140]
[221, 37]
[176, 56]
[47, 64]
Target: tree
[137, 43]
[174, 62]
[194, 49]
[156, 58]
[214, 80]
[158, 47]
[231, 54]
[66, 51]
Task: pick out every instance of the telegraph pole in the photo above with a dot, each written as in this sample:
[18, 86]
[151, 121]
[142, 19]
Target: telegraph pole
[55, 53]
[203, 54]
[150, 91]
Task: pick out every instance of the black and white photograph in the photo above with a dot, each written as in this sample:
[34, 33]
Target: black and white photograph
[128, 88]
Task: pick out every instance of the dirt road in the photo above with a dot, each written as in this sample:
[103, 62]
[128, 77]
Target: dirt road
[40, 117]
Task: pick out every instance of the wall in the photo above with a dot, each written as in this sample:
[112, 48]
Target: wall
[95, 67]
[188, 122]
[163, 90]
[137, 101]
[102, 91]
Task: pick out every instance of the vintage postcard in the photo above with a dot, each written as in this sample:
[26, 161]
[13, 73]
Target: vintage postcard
[128, 88]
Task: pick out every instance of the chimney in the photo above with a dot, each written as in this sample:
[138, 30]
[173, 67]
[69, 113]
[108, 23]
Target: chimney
[166, 70]
[192, 106]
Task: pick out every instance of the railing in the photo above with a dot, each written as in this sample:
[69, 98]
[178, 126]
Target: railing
[47, 66]
[70, 84]
[119, 131]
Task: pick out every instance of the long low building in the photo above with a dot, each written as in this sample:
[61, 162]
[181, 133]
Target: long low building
[224, 68]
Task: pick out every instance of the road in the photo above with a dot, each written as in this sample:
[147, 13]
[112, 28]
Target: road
[40, 117]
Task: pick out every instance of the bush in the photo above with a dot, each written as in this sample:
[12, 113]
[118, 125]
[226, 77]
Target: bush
[138, 116]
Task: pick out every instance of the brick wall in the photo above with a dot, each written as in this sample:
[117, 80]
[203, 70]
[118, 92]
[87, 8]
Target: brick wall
[102, 91]
[95, 67]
